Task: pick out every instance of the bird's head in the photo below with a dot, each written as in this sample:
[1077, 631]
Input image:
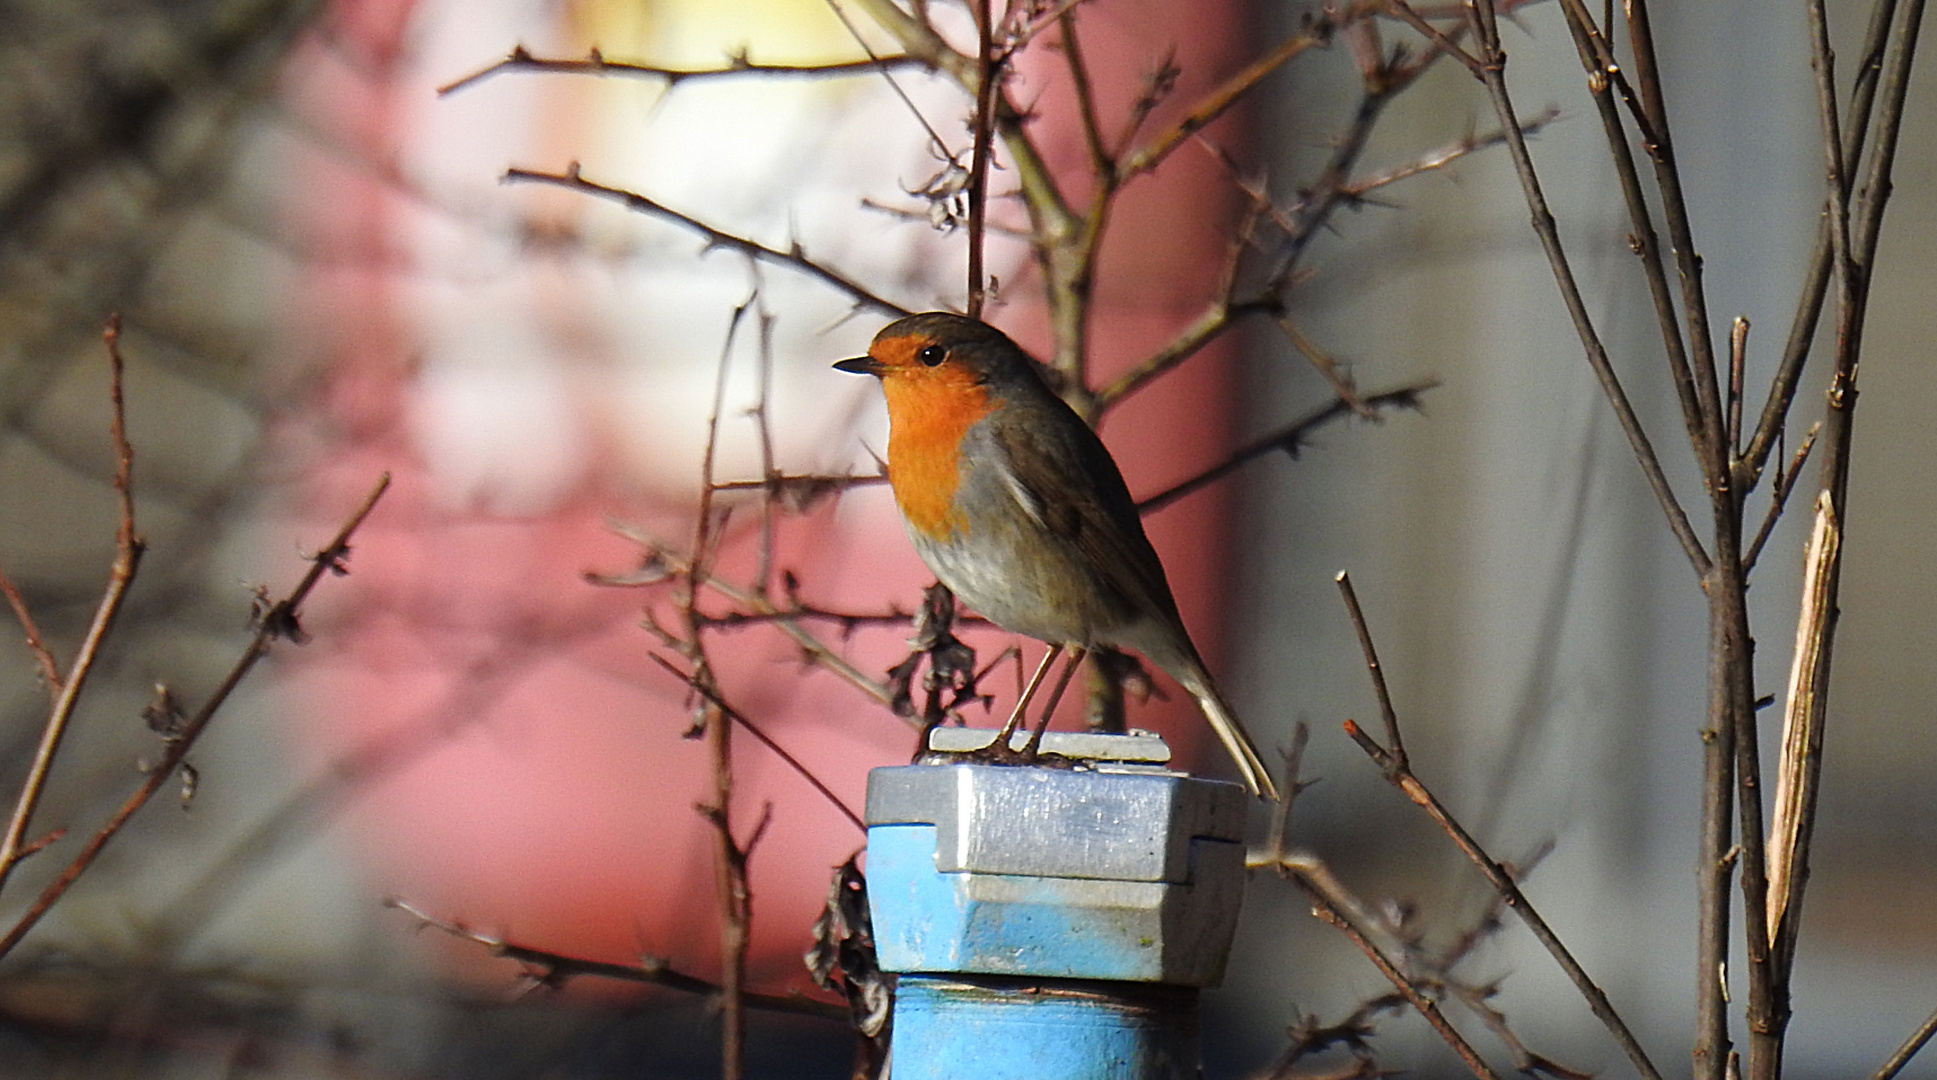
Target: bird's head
[941, 354]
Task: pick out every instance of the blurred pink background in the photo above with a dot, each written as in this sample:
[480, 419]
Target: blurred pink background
[540, 363]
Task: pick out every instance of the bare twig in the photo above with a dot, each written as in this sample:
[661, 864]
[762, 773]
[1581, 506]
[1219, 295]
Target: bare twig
[1335, 185]
[1288, 440]
[1488, 37]
[1340, 382]
[1395, 744]
[1315, 34]
[1423, 977]
[1730, 764]
[926, 216]
[1604, 73]
[1026, 20]
[1332, 903]
[769, 471]
[1208, 327]
[1498, 876]
[786, 619]
[128, 548]
[848, 621]
[1707, 435]
[478, 681]
[50, 669]
[1405, 13]
[595, 63]
[1309, 1037]
[1278, 842]
[798, 491]
[1330, 910]
[731, 888]
[1872, 193]
[988, 85]
[1052, 223]
[274, 621]
[1738, 365]
[1809, 305]
[554, 970]
[1398, 772]
[766, 740]
[1358, 188]
[1908, 1050]
[1853, 246]
[1102, 161]
[1525, 1061]
[793, 259]
[1785, 483]
[1848, 274]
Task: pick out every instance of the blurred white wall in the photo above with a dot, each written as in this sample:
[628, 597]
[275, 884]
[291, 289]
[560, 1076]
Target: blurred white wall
[1543, 634]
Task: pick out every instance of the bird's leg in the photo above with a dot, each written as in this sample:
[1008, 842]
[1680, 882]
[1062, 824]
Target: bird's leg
[1035, 740]
[1001, 743]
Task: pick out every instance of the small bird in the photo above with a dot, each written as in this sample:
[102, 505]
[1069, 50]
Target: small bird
[1018, 508]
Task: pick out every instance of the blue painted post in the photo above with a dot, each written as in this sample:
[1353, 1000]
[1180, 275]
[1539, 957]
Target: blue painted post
[1052, 923]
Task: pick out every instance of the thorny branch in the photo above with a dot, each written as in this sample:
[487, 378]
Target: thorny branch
[1336, 916]
[660, 562]
[552, 970]
[793, 259]
[1287, 440]
[988, 85]
[128, 548]
[1418, 979]
[1446, 42]
[798, 492]
[766, 740]
[1067, 243]
[273, 621]
[50, 669]
[730, 855]
[1150, 154]
[595, 62]
[1399, 773]
[1396, 745]
[1309, 1037]
[1067, 235]
[1299, 223]
[1525, 1061]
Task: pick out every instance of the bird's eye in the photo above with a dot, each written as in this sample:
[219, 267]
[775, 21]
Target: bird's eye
[930, 355]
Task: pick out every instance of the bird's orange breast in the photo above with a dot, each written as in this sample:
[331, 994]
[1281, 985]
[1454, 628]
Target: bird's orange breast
[929, 413]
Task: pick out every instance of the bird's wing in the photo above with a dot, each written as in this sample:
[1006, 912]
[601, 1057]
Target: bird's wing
[1104, 527]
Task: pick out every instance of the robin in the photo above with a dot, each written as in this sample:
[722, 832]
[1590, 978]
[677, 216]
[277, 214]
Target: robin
[1018, 508]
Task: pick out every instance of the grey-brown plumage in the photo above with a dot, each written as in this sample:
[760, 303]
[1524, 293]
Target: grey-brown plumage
[1019, 509]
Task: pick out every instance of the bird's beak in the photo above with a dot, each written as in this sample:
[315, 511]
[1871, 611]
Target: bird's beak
[860, 365]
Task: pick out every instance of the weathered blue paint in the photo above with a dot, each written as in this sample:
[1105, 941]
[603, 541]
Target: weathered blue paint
[1062, 929]
[956, 1028]
[1013, 924]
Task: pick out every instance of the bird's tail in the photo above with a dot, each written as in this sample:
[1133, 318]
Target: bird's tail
[1192, 676]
